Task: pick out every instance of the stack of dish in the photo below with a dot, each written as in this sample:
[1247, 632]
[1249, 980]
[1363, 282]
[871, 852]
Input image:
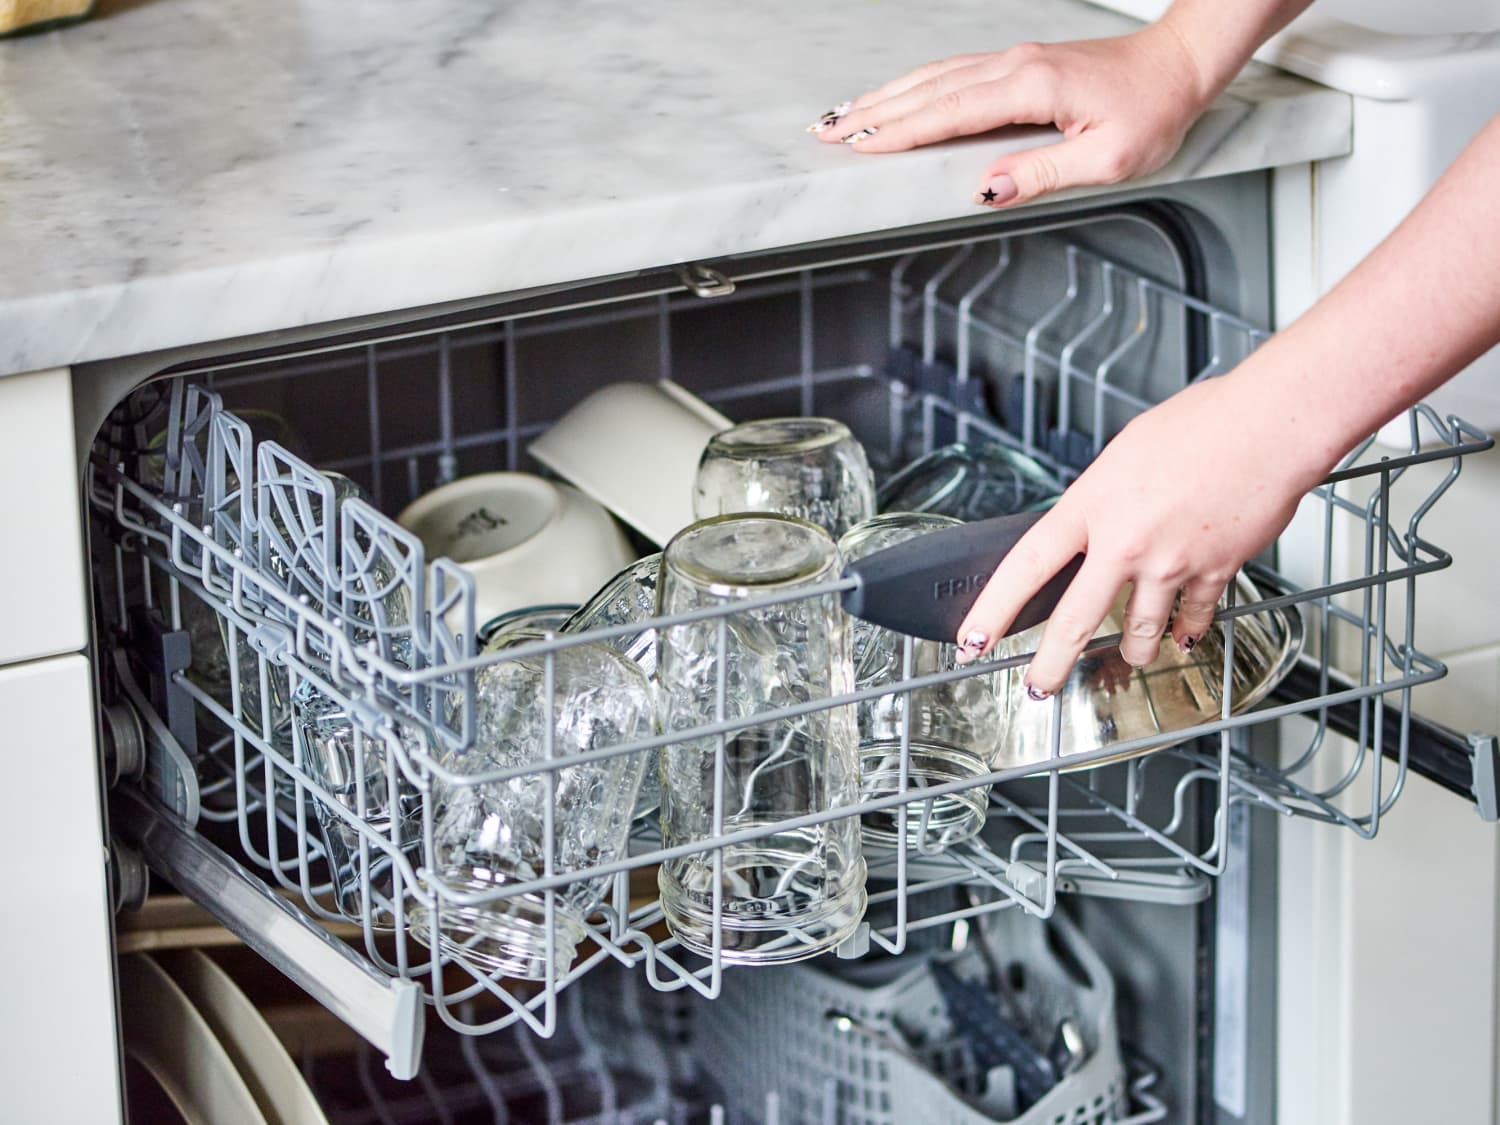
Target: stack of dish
[199, 1046]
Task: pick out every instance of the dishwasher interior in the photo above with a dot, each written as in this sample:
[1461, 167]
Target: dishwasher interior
[230, 579]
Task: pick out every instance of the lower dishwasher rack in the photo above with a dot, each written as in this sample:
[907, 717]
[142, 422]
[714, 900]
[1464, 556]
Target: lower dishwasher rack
[187, 504]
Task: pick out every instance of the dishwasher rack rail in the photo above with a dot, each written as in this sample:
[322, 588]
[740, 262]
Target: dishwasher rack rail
[196, 520]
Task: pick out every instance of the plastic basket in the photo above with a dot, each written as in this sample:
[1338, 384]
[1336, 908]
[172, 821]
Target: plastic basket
[769, 1031]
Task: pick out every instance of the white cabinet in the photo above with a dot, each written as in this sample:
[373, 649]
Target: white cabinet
[59, 1057]
[42, 609]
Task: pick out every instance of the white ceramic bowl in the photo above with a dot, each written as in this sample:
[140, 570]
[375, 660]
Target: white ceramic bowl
[527, 541]
[635, 447]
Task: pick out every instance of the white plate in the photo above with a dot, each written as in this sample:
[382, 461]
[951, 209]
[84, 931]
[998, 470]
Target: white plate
[166, 1035]
[273, 1078]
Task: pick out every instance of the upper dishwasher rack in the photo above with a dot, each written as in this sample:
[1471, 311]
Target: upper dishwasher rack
[1053, 367]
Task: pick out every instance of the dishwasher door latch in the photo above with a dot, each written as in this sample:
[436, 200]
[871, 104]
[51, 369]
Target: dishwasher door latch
[704, 281]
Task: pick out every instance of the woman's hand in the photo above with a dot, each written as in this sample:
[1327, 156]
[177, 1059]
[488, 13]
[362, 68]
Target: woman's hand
[1176, 503]
[1194, 487]
[1123, 106]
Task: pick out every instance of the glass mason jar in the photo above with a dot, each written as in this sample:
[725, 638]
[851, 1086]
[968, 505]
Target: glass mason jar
[629, 598]
[811, 468]
[490, 835]
[390, 815]
[332, 753]
[955, 727]
[535, 618]
[795, 892]
[971, 481]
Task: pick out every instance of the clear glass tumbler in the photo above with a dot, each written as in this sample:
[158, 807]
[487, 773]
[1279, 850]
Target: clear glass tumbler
[390, 815]
[973, 481]
[811, 468]
[794, 892]
[629, 598]
[955, 727]
[490, 835]
[331, 753]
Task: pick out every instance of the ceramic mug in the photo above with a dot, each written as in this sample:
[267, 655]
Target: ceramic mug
[635, 447]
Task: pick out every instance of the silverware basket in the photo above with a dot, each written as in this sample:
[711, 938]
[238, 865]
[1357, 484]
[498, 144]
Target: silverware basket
[773, 1030]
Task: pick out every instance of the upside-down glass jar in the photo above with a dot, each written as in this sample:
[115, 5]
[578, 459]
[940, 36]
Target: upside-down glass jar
[785, 893]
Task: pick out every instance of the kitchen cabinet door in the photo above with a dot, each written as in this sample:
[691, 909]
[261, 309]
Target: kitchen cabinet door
[42, 611]
[58, 1061]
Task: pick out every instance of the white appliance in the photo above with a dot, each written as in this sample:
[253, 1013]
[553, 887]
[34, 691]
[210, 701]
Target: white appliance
[1385, 946]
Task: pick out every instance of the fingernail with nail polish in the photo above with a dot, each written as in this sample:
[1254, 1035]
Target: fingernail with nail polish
[830, 119]
[1036, 695]
[1002, 189]
[861, 134]
[970, 647]
[1188, 643]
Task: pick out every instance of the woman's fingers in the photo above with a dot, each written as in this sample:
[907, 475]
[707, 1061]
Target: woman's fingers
[958, 113]
[1195, 612]
[1146, 615]
[915, 77]
[879, 114]
[1015, 98]
[1072, 625]
[1044, 550]
[1022, 176]
[827, 123]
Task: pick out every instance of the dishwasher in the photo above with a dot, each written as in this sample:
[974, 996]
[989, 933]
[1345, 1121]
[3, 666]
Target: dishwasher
[1129, 884]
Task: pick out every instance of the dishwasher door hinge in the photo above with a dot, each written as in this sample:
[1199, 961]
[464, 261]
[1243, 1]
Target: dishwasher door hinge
[1486, 775]
[704, 281]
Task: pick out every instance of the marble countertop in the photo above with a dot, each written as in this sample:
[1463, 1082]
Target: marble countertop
[177, 171]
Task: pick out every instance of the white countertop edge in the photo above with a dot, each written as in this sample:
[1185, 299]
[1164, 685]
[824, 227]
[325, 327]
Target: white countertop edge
[365, 277]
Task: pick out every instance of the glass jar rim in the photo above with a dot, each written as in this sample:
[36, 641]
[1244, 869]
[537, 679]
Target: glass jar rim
[822, 563]
[744, 441]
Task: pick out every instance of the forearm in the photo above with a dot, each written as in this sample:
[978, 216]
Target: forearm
[1220, 37]
[1422, 306]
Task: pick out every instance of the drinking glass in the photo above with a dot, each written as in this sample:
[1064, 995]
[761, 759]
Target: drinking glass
[490, 835]
[971, 481]
[332, 753]
[811, 468]
[794, 892]
[344, 765]
[955, 727]
[629, 598]
[537, 618]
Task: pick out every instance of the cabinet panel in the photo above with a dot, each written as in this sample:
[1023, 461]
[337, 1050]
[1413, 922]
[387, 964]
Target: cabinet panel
[59, 1059]
[42, 609]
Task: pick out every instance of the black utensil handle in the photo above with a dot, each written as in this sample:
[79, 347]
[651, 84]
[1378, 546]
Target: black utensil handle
[993, 1041]
[926, 586]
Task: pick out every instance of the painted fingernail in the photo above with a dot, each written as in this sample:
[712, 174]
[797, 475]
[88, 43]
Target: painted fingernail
[1187, 643]
[1036, 694]
[861, 134]
[1002, 189]
[970, 647]
[830, 119]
